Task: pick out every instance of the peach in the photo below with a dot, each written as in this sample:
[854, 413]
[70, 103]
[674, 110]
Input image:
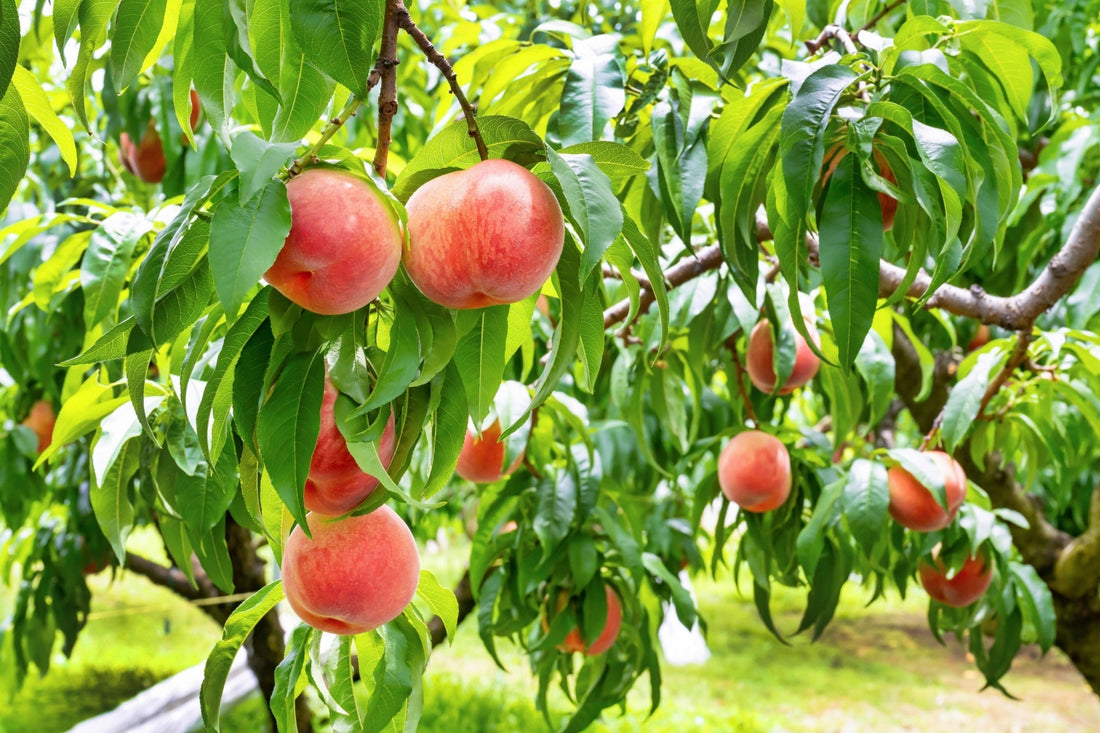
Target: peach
[481, 460]
[968, 584]
[344, 244]
[41, 420]
[573, 642]
[336, 484]
[754, 471]
[912, 505]
[487, 235]
[147, 159]
[356, 574]
[759, 359]
[981, 338]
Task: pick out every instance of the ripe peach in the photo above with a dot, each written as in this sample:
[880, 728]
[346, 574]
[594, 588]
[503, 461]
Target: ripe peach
[981, 338]
[487, 235]
[344, 244]
[759, 359]
[754, 471]
[913, 506]
[482, 460]
[967, 586]
[355, 575]
[196, 110]
[336, 484]
[147, 160]
[41, 420]
[573, 641]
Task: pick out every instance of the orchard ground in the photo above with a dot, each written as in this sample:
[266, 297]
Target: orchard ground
[874, 668]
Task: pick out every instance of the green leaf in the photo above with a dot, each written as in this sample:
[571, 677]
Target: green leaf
[9, 44]
[182, 306]
[237, 628]
[111, 345]
[288, 425]
[111, 497]
[448, 427]
[453, 149]
[240, 48]
[64, 23]
[339, 37]
[393, 676]
[802, 135]
[481, 353]
[402, 361]
[965, 400]
[175, 254]
[681, 164]
[616, 160]
[15, 151]
[137, 26]
[851, 245]
[94, 15]
[258, 161]
[591, 204]
[593, 92]
[646, 252]
[812, 539]
[866, 498]
[209, 54]
[1035, 599]
[217, 396]
[288, 674]
[245, 239]
[556, 505]
[213, 554]
[441, 601]
[106, 263]
[38, 106]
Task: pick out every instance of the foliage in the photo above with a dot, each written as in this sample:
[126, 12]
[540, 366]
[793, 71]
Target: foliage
[688, 143]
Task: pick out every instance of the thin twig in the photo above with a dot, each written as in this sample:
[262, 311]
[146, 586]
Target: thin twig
[739, 369]
[330, 129]
[879, 16]
[405, 22]
[387, 92]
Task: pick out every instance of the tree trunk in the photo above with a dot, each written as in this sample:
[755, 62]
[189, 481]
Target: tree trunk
[1041, 545]
[266, 645]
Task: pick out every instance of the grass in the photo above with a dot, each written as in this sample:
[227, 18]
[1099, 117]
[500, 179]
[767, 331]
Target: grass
[875, 668]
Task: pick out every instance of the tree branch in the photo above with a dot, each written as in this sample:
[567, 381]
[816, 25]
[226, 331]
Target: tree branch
[405, 22]
[387, 92]
[706, 259]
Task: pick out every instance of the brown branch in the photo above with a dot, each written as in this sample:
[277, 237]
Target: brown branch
[829, 32]
[1018, 357]
[706, 259]
[879, 16]
[405, 22]
[172, 578]
[387, 92]
[731, 344]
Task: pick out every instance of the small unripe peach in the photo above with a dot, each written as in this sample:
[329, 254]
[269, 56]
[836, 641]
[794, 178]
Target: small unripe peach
[754, 471]
[482, 459]
[759, 361]
[912, 504]
[344, 244]
[968, 585]
[356, 574]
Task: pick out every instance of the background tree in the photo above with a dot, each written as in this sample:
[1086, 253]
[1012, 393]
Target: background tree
[883, 182]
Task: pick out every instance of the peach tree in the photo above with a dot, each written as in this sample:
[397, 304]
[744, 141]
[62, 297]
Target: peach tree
[867, 231]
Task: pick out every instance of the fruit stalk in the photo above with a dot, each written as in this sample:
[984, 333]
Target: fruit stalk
[405, 22]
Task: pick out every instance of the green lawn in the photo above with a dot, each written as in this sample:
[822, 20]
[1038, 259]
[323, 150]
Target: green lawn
[875, 668]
